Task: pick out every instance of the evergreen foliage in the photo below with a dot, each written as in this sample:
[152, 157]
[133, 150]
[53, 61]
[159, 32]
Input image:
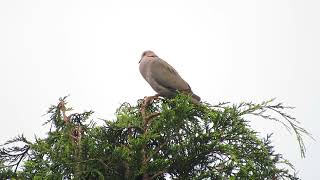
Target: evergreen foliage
[166, 138]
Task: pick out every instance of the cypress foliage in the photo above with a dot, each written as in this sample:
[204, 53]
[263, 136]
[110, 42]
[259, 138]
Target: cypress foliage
[163, 139]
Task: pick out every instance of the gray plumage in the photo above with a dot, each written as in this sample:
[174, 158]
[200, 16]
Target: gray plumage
[162, 77]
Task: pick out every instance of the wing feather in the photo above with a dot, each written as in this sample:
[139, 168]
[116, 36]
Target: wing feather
[167, 76]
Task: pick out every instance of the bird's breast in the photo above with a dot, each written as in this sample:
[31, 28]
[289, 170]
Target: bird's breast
[144, 68]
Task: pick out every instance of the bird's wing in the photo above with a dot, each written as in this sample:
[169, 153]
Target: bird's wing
[167, 76]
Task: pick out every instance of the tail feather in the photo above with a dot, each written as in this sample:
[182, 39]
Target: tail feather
[196, 98]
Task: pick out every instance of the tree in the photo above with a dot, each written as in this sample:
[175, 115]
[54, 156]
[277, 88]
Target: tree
[166, 138]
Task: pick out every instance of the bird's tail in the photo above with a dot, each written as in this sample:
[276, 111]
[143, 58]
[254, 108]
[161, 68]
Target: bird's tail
[196, 97]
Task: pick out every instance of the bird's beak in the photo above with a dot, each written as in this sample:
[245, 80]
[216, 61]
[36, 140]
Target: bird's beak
[140, 61]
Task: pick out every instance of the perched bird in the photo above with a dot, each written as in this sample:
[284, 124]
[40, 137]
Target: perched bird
[163, 78]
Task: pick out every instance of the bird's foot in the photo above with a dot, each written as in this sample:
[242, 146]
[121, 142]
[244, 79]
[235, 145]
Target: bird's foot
[154, 97]
[147, 100]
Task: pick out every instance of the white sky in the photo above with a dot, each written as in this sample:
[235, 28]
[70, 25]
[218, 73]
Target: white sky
[227, 51]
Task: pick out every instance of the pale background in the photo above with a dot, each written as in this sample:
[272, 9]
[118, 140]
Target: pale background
[226, 50]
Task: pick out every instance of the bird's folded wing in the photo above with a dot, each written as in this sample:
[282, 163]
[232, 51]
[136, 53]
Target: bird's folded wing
[167, 76]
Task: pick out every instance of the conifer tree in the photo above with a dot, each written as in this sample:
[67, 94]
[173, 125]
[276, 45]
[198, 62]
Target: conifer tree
[162, 139]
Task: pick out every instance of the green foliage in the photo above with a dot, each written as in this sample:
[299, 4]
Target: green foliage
[5, 172]
[168, 138]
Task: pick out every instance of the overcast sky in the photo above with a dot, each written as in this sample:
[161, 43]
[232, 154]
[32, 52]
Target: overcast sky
[226, 50]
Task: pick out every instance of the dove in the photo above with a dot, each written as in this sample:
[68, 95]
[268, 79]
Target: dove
[162, 77]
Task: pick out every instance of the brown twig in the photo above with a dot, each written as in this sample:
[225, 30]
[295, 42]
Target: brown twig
[63, 108]
[146, 120]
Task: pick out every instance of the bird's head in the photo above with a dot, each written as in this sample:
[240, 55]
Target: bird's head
[148, 54]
